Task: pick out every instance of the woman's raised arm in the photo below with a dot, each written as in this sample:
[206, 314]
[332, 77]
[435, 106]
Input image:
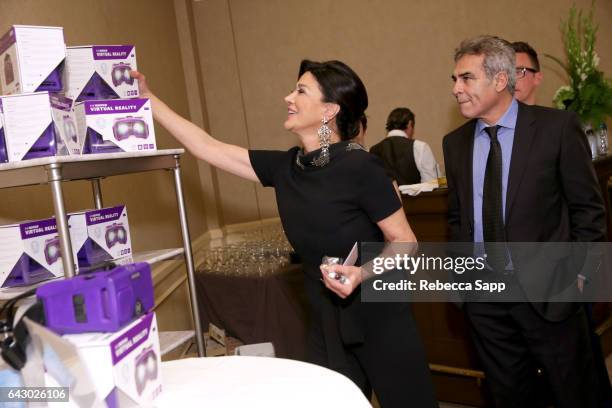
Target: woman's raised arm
[228, 157]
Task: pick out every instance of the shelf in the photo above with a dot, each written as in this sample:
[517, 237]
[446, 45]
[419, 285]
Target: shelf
[54, 170]
[151, 257]
[85, 167]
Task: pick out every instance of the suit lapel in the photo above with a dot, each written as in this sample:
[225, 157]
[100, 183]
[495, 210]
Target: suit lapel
[524, 133]
[467, 157]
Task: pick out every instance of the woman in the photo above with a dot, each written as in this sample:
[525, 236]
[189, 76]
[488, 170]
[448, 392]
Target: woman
[331, 194]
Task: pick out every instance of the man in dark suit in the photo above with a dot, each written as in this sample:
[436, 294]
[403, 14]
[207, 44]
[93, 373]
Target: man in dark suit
[519, 173]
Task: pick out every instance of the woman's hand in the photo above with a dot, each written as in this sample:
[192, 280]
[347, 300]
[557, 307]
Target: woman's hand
[341, 287]
[143, 87]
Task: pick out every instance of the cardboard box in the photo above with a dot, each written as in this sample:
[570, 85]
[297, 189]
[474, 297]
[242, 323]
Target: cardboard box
[29, 253]
[100, 235]
[31, 58]
[121, 369]
[96, 72]
[67, 136]
[29, 132]
[112, 126]
[124, 364]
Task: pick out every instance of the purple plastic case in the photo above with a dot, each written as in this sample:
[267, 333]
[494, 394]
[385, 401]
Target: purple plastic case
[115, 233]
[94, 143]
[92, 254]
[53, 83]
[9, 75]
[26, 272]
[121, 74]
[3, 154]
[44, 146]
[99, 301]
[96, 89]
[52, 250]
[145, 368]
[130, 126]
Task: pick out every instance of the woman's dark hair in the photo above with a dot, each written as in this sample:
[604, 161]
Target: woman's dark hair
[340, 85]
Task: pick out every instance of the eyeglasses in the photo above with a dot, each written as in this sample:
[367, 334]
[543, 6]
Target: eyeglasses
[521, 71]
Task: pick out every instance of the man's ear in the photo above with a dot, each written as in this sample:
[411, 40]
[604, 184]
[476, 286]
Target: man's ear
[331, 110]
[538, 77]
[501, 81]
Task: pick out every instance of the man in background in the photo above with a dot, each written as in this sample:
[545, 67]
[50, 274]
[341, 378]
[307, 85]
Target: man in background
[493, 196]
[528, 79]
[407, 160]
[528, 74]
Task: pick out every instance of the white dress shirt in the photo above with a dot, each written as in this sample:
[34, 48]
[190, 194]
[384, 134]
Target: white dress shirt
[423, 157]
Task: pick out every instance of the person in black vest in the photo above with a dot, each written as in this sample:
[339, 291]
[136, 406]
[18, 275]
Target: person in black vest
[406, 160]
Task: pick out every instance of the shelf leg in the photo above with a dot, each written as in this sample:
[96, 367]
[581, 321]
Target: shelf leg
[96, 186]
[55, 177]
[188, 259]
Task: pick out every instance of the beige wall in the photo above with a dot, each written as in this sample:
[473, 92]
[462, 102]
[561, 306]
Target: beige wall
[150, 197]
[227, 64]
[250, 51]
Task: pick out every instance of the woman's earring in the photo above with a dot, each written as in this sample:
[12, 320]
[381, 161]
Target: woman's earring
[324, 133]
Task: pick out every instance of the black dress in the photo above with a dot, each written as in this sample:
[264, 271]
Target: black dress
[324, 211]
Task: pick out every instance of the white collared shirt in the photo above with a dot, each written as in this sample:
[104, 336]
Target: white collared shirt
[423, 157]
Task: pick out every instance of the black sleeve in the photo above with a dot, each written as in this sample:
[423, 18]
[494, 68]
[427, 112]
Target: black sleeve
[266, 163]
[454, 220]
[580, 185]
[377, 195]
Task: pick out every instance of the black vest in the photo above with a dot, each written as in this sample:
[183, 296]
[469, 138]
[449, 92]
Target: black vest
[397, 154]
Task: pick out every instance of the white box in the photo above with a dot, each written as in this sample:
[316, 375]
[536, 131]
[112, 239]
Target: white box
[29, 253]
[95, 72]
[67, 135]
[121, 369]
[100, 235]
[119, 125]
[124, 364]
[28, 126]
[32, 59]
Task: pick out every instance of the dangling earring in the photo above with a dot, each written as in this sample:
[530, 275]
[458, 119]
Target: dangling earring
[324, 133]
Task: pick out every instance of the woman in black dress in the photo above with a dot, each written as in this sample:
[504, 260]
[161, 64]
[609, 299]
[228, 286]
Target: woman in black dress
[330, 194]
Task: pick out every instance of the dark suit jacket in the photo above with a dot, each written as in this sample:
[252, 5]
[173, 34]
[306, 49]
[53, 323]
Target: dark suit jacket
[552, 194]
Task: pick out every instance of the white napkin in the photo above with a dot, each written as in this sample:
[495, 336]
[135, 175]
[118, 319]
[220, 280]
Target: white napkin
[416, 189]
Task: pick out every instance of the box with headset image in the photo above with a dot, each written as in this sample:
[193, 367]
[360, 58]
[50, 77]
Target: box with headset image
[29, 131]
[94, 72]
[113, 126]
[3, 154]
[29, 253]
[114, 369]
[32, 59]
[100, 235]
[67, 137]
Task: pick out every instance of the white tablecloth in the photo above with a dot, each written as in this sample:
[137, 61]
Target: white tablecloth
[240, 381]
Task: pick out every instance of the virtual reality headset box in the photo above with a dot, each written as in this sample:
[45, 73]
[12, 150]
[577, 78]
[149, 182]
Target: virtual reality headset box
[32, 59]
[119, 125]
[97, 72]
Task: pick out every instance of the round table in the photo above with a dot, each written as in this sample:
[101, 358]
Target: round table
[241, 381]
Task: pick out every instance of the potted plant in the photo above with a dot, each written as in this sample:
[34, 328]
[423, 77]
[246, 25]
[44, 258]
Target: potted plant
[589, 93]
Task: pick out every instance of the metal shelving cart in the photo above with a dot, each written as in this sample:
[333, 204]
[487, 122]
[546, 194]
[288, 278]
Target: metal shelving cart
[57, 169]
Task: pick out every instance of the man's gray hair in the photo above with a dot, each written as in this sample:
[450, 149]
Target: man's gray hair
[498, 54]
